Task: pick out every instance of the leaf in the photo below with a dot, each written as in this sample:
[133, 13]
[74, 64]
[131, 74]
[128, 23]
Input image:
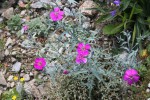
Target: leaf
[126, 4]
[112, 29]
[96, 74]
[105, 18]
[134, 34]
[132, 11]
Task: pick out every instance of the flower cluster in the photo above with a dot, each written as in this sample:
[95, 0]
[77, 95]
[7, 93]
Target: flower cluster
[39, 63]
[83, 51]
[57, 14]
[131, 76]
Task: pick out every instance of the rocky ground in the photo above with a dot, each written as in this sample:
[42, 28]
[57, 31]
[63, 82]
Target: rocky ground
[16, 59]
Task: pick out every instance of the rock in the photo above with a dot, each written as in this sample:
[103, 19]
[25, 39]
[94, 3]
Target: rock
[40, 76]
[148, 99]
[2, 55]
[37, 5]
[12, 84]
[14, 53]
[0, 92]
[24, 51]
[9, 41]
[10, 78]
[42, 90]
[87, 5]
[8, 84]
[26, 77]
[61, 50]
[16, 67]
[148, 85]
[147, 90]
[6, 52]
[30, 88]
[25, 1]
[19, 87]
[1, 31]
[1, 20]
[13, 59]
[45, 1]
[2, 79]
[31, 74]
[8, 13]
[23, 12]
[68, 12]
[8, 34]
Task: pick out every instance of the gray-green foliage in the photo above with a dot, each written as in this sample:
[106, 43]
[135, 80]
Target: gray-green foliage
[99, 79]
[14, 23]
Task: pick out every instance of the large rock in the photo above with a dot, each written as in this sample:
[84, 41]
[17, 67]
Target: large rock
[16, 67]
[87, 5]
[30, 88]
[8, 13]
[2, 79]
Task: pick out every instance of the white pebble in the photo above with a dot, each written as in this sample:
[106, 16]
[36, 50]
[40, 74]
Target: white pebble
[149, 85]
[147, 90]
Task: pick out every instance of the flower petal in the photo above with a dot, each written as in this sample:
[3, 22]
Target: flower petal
[56, 9]
[61, 13]
[87, 46]
[80, 45]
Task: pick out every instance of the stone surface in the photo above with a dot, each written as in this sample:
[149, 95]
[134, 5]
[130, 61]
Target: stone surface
[8, 13]
[6, 52]
[37, 5]
[0, 92]
[147, 90]
[148, 85]
[1, 19]
[16, 67]
[30, 88]
[2, 79]
[26, 77]
[87, 5]
[9, 41]
[12, 84]
[2, 55]
[10, 78]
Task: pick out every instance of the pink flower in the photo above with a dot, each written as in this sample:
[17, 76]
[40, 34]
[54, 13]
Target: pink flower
[83, 49]
[131, 76]
[65, 72]
[25, 27]
[57, 14]
[39, 63]
[80, 59]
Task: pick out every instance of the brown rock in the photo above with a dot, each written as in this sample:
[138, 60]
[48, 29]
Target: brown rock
[86, 5]
[8, 13]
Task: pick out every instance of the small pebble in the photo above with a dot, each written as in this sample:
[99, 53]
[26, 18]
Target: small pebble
[147, 90]
[149, 85]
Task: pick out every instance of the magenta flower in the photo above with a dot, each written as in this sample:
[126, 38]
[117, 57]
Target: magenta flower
[57, 14]
[80, 59]
[83, 49]
[25, 27]
[39, 63]
[65, 72]
[131, 76]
